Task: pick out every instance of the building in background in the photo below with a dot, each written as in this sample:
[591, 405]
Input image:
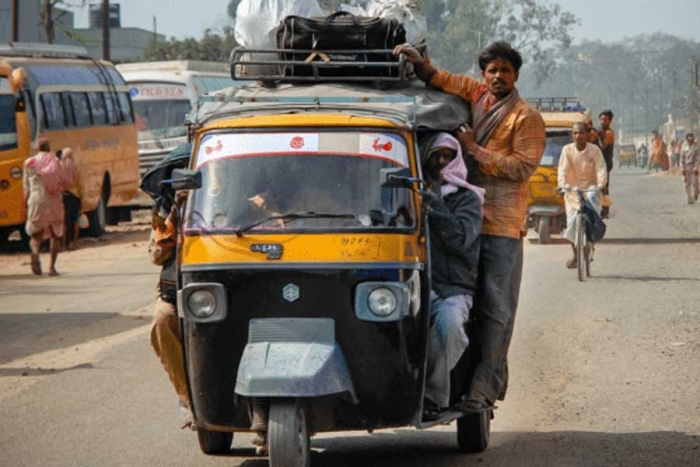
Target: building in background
[127, 44]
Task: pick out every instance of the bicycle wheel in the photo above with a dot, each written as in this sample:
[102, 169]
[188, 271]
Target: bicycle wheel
[588, 253]
[580, 245]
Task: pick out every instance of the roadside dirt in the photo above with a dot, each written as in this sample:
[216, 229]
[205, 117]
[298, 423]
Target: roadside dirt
[127, 235]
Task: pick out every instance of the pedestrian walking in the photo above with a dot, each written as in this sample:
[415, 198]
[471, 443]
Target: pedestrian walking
[43, 182]
[607, 145]
[71, 199]
[690, 158]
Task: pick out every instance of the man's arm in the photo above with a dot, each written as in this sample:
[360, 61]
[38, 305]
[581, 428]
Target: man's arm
[460, 85]
[601, 169]
[528, 146]
[459, 228]
[608, 138]
[563, 168]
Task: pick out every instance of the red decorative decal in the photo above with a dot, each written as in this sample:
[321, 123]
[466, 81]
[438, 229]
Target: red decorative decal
[297, 142]
[377, 146]
[217, 148]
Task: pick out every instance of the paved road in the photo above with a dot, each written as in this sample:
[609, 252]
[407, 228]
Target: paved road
[604, 373]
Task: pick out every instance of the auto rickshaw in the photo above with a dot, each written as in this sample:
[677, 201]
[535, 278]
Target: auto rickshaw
[628, 155]
[545, 206]
[304, 264]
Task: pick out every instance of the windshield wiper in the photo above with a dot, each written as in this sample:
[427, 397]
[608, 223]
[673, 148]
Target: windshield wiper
[294, 215]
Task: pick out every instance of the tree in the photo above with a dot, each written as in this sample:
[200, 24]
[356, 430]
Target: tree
[211, 47]
[642, 79]
[459, 29]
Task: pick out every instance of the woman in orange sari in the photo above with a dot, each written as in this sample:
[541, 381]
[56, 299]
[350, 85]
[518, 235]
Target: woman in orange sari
[659, 156]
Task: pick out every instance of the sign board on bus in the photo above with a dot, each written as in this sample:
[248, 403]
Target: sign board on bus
[157, 91]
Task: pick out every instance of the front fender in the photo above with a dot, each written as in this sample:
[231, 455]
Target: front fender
[293, 358]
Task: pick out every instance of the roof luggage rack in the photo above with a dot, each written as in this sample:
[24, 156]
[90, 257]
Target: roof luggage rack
[286, 65]
[389, 105]
[557, 104]
[39, 50]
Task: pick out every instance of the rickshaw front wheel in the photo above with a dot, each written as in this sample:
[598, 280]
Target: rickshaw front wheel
[214, 442]
[543, 230]
[474, 432]
[288, 434]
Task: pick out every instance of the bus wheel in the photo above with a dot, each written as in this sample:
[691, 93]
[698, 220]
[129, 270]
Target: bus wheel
[98, 219]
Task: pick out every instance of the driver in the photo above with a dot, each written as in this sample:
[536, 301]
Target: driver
[454, 216]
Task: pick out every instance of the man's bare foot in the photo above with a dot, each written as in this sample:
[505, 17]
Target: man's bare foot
[53, 273]
[36, 265]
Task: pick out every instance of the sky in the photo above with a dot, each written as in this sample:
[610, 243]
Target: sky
[607, 20]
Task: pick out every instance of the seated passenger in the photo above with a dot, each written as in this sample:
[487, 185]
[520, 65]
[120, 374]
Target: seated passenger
[454, 216]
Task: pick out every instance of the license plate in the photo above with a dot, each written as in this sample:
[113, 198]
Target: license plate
[543, 191]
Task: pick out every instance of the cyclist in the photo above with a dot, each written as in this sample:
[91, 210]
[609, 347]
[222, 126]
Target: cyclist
[581, 166]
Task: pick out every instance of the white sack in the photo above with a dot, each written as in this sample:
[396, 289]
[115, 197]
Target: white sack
[407, 12]
[257, 20]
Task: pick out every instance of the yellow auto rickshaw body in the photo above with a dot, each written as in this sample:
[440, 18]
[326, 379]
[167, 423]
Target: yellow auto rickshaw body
[546, 212]
[304, 219]
[628, 155]
[222, 248]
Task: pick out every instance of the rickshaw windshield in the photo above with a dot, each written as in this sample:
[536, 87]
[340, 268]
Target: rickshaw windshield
[552, 151]
[271, 182]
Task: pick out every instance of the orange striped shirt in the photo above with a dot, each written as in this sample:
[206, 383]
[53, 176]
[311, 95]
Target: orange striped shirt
[513, 153]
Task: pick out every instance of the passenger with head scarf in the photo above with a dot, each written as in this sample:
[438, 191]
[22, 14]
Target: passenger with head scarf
[43, 184]
[454, 216]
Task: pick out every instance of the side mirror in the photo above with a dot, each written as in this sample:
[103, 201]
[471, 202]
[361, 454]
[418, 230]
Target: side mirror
[183, 179]
[397, 177]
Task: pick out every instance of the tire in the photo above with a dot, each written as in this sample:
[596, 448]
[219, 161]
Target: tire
[588, 262]
[580, 244]
[543, 230]
[98, 219]
[288, 434]
[474, 432]
[214, 442]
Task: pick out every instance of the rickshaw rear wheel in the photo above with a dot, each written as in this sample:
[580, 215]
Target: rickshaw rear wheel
[214, 442]
[288, 434]
[474, 432]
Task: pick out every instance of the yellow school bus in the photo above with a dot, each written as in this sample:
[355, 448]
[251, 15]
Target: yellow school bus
[60, 93]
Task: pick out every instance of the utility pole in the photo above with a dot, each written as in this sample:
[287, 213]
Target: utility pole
[47, 20]
[105, 30]
[15, 20]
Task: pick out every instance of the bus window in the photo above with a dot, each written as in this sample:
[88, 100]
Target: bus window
[81, 108]
[52, 107]
[31, 112]
[165, 117]
[97, 108]
[111, 107]
[8, 126]
[68, 109]
[125, 112]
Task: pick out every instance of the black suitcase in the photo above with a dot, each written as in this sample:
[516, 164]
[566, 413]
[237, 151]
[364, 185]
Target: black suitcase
[341, 31]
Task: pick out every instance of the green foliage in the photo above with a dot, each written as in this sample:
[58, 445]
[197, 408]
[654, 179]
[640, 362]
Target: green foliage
[212, 47]
[642, 79]
[460, 28]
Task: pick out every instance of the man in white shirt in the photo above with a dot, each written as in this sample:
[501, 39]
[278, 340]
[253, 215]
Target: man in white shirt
[581, 166]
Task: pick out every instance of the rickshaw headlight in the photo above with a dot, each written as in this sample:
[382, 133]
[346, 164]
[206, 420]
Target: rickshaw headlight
[382, 301]
[202, 303]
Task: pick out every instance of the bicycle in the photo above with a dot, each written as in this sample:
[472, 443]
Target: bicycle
[583, 249]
